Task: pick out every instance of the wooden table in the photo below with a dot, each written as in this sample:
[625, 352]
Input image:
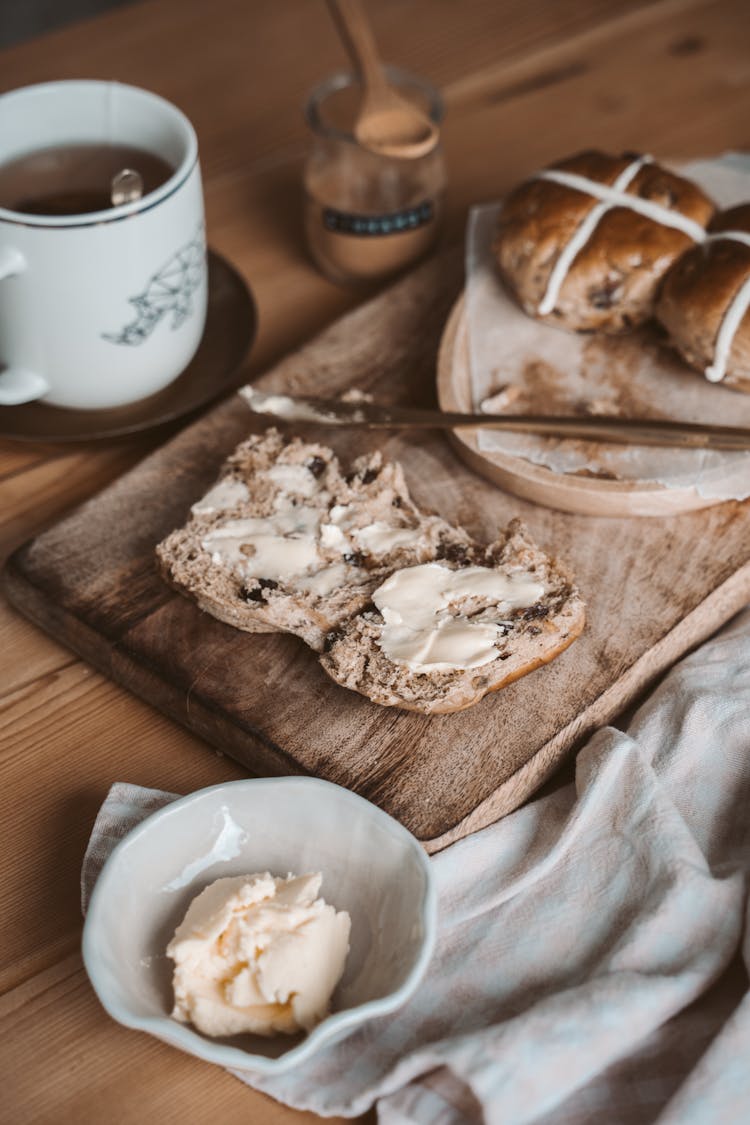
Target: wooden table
[523, 83]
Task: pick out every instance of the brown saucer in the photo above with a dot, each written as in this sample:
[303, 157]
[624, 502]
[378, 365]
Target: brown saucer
[231, 324]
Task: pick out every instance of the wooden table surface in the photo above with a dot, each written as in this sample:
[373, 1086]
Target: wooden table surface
[523, 83]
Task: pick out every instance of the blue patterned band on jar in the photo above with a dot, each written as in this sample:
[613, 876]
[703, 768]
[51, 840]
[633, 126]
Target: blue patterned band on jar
[373, 226]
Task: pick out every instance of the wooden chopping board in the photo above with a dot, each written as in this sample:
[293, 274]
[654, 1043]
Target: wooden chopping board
[653, 589]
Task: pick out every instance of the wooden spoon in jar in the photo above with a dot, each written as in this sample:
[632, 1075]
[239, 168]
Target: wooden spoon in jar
[388, 124]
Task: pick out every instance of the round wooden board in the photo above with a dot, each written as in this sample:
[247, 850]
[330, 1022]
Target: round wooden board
[569, 492]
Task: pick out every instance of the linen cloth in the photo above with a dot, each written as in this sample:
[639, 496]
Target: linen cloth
[592, 945]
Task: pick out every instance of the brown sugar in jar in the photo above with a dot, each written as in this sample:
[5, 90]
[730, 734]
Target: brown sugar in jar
[368, 216]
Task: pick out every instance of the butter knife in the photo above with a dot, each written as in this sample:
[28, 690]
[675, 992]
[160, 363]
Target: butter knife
[621, 431]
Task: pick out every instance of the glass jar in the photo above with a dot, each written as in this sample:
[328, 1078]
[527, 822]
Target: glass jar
[368, 216]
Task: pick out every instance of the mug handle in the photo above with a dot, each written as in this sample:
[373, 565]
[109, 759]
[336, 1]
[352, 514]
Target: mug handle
[17, 385]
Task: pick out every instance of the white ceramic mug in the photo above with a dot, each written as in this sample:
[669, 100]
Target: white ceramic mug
[102, 309]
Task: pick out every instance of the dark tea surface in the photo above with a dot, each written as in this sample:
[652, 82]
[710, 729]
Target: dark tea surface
[74, 179]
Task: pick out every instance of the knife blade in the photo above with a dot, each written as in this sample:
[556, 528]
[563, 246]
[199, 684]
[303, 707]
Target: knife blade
[621, 431]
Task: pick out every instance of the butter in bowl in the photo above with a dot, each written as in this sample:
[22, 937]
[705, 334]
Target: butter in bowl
[185, 892]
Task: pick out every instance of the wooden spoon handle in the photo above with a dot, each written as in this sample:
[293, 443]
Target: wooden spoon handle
[355, 30]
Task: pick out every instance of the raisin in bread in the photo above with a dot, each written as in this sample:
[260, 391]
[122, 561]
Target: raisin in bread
[705, 302]
[440, 636]
[285, 541]
[584, 243]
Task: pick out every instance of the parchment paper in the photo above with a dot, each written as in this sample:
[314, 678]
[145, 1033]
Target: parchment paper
[548, 370]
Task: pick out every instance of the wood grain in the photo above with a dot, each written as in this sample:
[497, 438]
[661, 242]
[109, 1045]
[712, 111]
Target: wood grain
[73, 717]
[523, 83]
[117, 1074]
[32, 496]
[91, 581]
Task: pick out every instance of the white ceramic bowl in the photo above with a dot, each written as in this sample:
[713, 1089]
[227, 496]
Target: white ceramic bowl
[372, 867]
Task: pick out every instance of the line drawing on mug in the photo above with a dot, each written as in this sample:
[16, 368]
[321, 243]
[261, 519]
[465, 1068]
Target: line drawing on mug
[171, 289]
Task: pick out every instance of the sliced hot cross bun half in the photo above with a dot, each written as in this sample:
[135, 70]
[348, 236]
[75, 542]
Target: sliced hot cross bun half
[439, 636]
[585, 243]
[704, 302]
[285, 541]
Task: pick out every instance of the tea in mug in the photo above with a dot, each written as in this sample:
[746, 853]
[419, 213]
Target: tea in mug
[74, 179]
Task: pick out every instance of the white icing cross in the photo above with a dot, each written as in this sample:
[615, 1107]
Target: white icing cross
[616, 195]
[733, 315]
[609, 196]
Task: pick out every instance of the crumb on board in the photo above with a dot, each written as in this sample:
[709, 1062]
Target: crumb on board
[501, 399]
[354, 394]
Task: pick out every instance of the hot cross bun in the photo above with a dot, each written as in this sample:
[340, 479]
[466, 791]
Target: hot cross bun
[705, 301]
[584, 243]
